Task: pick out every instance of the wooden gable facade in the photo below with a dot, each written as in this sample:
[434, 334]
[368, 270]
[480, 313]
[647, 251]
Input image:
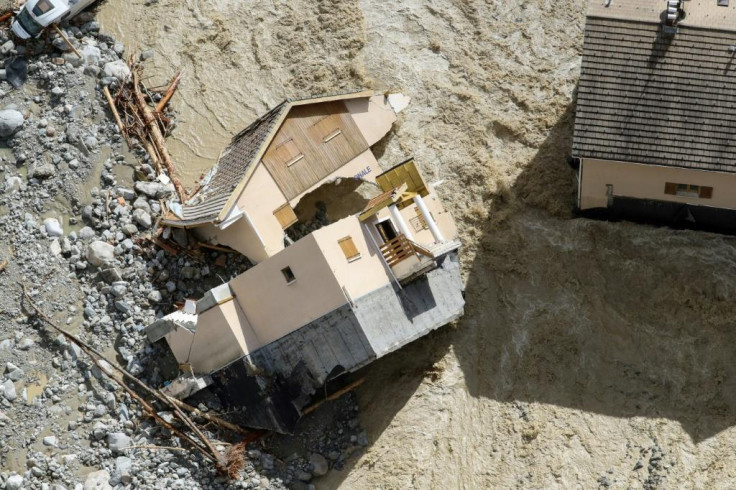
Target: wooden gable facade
[314, 141]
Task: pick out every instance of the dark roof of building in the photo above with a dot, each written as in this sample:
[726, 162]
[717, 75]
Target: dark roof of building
[648, 97]
[231, 168]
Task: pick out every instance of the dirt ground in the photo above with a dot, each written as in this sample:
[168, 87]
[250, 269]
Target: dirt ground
[592, 354]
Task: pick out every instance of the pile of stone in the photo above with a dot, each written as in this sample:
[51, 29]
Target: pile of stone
[77, 232]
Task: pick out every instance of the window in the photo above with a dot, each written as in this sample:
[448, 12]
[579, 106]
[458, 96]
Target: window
[349, 249]
[688, 190]
[327, 129]
[288, 153]
[42, 7]
[288, 275]
[286, 216]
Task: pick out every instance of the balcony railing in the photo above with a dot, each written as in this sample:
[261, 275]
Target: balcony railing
[401, 248]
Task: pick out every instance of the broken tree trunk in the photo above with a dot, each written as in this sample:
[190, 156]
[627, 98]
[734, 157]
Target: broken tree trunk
[205, 447]
[156, 137]
[169, 93]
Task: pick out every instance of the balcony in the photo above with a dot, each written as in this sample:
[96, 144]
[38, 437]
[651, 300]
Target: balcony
[407, 260]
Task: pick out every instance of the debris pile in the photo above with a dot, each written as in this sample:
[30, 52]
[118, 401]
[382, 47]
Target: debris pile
[77, 214]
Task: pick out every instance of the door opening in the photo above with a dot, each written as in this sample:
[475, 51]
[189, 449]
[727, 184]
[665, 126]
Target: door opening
[387, 230]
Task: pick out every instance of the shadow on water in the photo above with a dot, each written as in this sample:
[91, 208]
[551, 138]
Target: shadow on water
[618, 319]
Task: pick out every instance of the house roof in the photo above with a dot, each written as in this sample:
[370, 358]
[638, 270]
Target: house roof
[648, 97]
[228, 176]
[699, 13]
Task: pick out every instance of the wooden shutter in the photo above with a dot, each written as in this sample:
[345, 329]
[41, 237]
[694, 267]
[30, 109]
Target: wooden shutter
[348, 248]
[670, 188]
[286, 216]
[706, 192]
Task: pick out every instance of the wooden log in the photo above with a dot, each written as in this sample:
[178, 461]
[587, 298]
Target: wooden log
[96, 357]
[334, 396]
[169, 93]
[66, 40]
[116, 114]
[156, 137]
[6, 16]
[154, 156]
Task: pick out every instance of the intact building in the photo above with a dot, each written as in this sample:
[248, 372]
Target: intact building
[656, 112]
[351, 262]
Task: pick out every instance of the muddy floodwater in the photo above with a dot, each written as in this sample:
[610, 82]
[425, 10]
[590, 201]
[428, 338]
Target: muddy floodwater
[216, 43]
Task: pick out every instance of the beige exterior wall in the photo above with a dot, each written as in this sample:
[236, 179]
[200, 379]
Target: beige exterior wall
[364, 166]
[260, 198]
[223, 335]
[374, 116]
[360, 276]
[239, 236]
[276, 308]
[648, 181]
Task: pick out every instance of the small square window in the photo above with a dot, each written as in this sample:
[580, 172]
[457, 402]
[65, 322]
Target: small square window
[288, 275]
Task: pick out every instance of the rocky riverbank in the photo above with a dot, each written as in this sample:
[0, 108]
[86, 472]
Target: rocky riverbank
[78, 209]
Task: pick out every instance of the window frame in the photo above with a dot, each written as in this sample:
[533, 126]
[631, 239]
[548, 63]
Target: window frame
[695, 191]
[350, 258]
[288, 274]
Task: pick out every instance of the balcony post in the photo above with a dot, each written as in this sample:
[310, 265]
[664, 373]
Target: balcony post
[436, 233]
[399, 221]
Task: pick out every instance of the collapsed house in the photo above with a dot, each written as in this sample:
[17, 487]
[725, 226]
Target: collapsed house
[351, 263]
[656, 112]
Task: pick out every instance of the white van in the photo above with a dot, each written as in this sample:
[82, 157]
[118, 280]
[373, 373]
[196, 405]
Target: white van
[38, 14]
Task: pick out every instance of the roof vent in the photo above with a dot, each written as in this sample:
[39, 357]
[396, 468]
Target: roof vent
[675, 12]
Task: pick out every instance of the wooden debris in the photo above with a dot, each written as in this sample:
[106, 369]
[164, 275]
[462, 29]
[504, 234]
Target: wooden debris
[215, 247]
[334, 396]
[229, 464]
[6, 16]
[169, 93]
[66, 40]
[138, 120]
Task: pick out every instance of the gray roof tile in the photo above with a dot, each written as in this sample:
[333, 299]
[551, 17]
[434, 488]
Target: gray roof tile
[647, 97]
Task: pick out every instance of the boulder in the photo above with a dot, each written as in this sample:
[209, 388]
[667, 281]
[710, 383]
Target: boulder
[100, 253]
[91, 55]
[10, 122]
[116, 69]
[97, 480]
[43, 171]
[53, 227]
[142, 218]
[117, 441]
[154, 190]
[14, 482]
[319, 464]
[9, 390]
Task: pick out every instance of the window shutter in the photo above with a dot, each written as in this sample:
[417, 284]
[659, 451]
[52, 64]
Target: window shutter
[706, 192]
[670, 188]
[348, 248]
[286, 216]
